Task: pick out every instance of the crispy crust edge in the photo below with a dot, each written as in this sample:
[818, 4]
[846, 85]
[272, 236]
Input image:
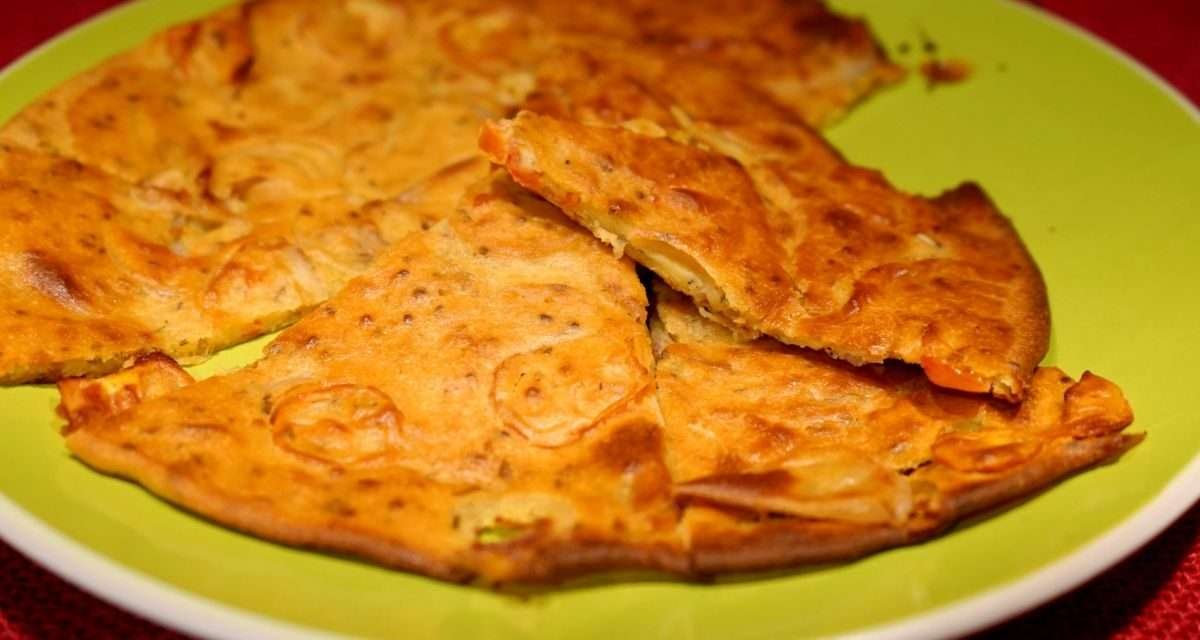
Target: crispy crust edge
[772, 544]
[256, 520]
[536, 562]
[777, 544]
[1032, 319]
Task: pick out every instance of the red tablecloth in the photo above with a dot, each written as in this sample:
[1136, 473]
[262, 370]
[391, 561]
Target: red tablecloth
[1153, 594]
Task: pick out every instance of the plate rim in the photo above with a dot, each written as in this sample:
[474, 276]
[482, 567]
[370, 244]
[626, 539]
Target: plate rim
[176, 608]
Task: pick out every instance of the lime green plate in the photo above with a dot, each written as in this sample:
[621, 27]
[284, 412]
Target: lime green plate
[1096, 161]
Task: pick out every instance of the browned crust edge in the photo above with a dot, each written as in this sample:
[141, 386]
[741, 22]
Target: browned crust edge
[775, 544]
[254, 518]
[768, 544]
[1033, 300]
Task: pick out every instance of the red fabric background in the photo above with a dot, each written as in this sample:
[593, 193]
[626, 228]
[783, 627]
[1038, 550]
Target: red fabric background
[1153, 594]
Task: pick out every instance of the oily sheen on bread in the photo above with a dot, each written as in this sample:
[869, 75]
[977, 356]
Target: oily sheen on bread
[485, 405]
[220, 180]
[785, 456]
[815, 63]
[98, 270]
[770, 230]
[480, 405]
[473, 388]
[754, 215]
[252, 160]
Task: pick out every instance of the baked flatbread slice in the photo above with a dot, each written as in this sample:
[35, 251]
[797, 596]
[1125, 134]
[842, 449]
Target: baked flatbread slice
[815, 63]
[220, 180]
[785, 456]
[480, 405]
[514, 435]
[769, 229]
[274, 101]
[98, 270]
[286, 99]
[241, 167]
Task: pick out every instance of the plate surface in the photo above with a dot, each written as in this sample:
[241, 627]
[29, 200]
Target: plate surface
[1096, 162]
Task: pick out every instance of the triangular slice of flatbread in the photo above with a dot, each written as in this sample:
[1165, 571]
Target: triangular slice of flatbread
[785, 456]
[814, 62]
[480, 405]
[97, 269]
[221, 179]
[769, 229]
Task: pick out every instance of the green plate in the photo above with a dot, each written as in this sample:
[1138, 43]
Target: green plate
[1096, 161]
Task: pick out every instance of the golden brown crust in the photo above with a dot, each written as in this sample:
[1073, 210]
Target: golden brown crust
[242, 167]
[783, 456]
[222, 179]
[812, 61]
[964, 494]
[259, 517]
[146, 377]
[784, 237]
[766, 456]
[387, 423]
[268, 101]
[815, 62]
[101, 270]
[484, 402]
[722, 543]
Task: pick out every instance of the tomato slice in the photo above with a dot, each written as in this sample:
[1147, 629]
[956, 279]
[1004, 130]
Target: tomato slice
[492, 143]
[945, 375]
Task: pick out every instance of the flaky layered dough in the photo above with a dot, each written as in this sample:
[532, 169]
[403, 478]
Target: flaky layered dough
[222, 179]
[785, 456]
[767, 227]
[97, 270]
[813, 62]
[480, 405]
[240, 168]
[725, 193]
[484, 405]
[483, 400]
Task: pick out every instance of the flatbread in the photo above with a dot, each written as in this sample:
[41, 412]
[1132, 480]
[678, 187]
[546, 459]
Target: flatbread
[97, 270]
[480, 405]
[785, 456]
[770, 230]
[275, 101]
[220, 180]
[240, 168]
[493, 416]
[483, 400]
[812, 61]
